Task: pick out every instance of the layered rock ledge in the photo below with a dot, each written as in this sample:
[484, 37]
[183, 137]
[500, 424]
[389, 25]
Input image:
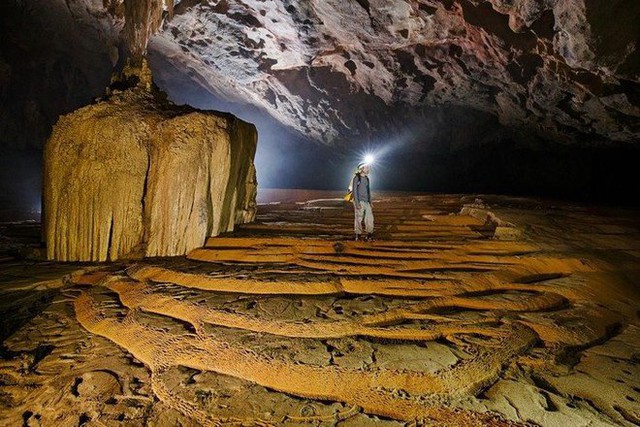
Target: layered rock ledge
[136, 176]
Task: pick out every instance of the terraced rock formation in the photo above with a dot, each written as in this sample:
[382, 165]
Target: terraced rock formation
[287, 321]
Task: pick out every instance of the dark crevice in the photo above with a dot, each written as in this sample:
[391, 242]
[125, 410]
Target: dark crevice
[143, 201]
[83, 420]
[110, 240]
[40, 353]
[210, 213]
[351, 66]
[524, 67]
[448, 4]
[566, 105]
[545, 385]
[26, 416]
[455, 50]
[541, 277]
[459, 269]
[571, 355]
[631, 90]
[365, 5]
[462, 65]
[549, 405]
[627, 415]
[492, 292]
[592, 82]
[74, 387]
[497, 24]
[15, 316]
[247, 20]
[543, 27]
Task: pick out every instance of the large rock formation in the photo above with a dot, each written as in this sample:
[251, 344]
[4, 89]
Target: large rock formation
[133, 175]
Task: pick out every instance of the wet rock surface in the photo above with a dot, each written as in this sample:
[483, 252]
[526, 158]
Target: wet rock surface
[272, 325]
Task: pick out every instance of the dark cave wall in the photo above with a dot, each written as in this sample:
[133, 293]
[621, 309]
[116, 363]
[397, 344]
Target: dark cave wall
[591, 174]
[459, 150]
[51, 63]
[20, 184]
[53, 60]
[434, 149]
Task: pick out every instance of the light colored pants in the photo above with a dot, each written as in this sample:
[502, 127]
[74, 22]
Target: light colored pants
[364, 213]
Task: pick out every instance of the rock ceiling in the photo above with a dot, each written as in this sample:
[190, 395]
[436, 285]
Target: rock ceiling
[336, 69]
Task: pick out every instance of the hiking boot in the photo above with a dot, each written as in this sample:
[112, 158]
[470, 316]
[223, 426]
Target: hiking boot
[369, 237]
[358, 237]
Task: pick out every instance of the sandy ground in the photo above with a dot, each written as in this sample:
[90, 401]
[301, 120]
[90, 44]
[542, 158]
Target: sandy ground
[499, 311]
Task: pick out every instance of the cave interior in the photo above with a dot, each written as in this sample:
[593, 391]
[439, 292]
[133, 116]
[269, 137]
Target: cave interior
[175, 250]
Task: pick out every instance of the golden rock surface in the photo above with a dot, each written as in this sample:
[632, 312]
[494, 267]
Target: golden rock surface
[288, 322]
[133, 175]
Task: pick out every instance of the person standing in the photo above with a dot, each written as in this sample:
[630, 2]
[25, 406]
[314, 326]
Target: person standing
[362, 202]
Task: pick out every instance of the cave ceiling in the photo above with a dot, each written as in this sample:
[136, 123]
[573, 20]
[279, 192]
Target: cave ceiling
[339, 70]
[335, 69]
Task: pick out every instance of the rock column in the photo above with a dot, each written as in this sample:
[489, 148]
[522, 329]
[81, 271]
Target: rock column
[134, 176]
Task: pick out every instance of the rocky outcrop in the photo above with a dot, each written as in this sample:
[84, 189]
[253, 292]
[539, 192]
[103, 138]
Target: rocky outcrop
[133, 175]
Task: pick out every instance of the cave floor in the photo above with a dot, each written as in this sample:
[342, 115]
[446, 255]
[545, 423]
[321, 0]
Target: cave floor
[500, 311]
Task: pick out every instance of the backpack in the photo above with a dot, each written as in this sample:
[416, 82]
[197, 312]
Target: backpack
[349, 196]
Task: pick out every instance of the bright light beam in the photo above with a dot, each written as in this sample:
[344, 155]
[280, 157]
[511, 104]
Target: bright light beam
[369, 158]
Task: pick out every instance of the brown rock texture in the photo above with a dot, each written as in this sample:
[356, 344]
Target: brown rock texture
[288, 322]
[133, 175]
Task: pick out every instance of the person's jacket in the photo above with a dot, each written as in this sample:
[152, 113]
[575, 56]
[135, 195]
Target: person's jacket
[361, 191]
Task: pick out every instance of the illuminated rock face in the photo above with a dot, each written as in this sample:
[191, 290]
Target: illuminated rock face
[134, 176]
[338, 70]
